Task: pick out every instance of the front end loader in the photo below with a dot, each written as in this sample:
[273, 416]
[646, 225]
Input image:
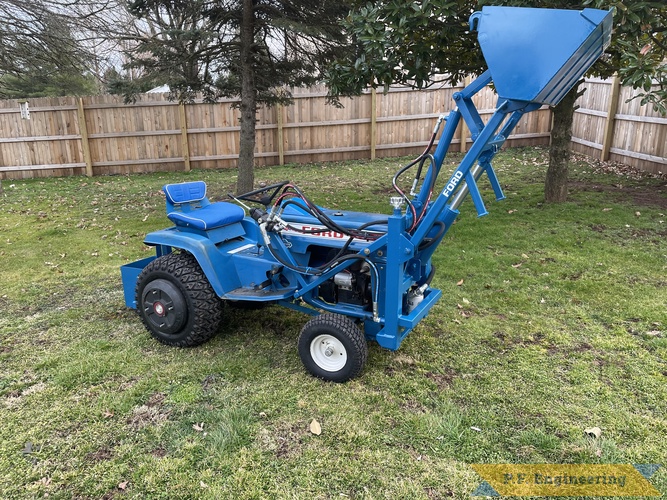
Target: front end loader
[362, 276]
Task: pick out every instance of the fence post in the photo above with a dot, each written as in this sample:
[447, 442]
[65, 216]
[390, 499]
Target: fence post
[374, 124]
[85, 145]
[184, 136]
[281, 144]
[611, 117]
[463, 145]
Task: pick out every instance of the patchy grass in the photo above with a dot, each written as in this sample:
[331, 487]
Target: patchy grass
[559, 324]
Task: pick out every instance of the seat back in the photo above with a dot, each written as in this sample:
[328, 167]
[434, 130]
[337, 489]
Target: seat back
[185, 197]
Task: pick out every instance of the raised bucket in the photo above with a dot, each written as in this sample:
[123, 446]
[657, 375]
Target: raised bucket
[537, 55]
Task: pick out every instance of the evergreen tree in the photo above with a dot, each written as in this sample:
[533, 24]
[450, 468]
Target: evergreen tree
[250, 49]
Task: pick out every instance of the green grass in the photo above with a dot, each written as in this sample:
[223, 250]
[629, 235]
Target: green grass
[560, 324]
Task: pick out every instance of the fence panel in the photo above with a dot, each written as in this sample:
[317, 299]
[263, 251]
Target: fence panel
[102, 135]
[638, 134]
[47, 144]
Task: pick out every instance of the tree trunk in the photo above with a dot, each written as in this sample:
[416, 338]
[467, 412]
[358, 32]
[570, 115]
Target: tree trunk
[555, 185]
[246, 174]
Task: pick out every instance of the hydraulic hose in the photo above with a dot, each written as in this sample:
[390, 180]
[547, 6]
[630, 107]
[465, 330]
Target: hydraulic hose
[427, 242]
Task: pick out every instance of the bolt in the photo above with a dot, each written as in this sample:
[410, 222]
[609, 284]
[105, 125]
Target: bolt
[328, 351]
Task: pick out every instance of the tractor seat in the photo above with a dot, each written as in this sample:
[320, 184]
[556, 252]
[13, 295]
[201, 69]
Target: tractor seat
[188, 206]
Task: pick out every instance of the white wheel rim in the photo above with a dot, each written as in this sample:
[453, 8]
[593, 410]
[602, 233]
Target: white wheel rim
[328, 353]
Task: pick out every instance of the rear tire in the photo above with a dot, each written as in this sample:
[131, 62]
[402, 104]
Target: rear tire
[333, 348]
[176, 302]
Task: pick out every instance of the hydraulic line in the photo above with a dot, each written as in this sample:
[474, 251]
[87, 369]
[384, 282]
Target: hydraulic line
[429, 278]
[313, 210]
[427, 242]
[331, 264]
[419, 160]
[316, 271]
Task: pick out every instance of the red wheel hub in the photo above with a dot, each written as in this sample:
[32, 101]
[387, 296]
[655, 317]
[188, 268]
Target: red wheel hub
[159, 309]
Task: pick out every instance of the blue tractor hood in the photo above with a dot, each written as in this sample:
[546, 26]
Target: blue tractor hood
[537, 55]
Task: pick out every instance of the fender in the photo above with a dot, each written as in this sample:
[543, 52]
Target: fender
[216, 264]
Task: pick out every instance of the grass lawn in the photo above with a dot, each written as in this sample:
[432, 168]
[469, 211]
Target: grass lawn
[553, 319]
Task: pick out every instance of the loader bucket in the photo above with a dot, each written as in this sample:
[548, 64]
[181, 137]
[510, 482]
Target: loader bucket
[537, 55]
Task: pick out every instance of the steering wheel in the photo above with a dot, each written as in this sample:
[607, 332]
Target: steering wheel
[263, 195]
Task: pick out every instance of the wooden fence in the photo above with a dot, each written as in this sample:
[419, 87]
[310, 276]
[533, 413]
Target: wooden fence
[100, 135]
[610, 125]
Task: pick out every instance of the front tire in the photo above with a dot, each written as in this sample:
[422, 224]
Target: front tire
[333, 348]
[176, 302]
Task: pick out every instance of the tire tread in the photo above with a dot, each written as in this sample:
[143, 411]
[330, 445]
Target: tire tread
[206, 304]
[349, 330]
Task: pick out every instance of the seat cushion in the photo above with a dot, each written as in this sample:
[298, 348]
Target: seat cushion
[209, 217]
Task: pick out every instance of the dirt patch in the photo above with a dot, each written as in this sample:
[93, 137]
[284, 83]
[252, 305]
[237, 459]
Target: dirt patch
[100, 455]
[434, 494]
[159, 452]
[156, 400]
[151, 413]
[554, 350]
[285, 441]
[209, 382]
[413, 406]
[583, 347]
[647, 195]
[442, 380]
[535, 339]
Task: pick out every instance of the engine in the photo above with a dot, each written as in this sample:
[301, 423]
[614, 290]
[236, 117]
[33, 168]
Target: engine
[352, 286]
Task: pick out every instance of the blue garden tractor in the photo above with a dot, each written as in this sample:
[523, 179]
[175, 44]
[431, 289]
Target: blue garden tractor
[362, 276]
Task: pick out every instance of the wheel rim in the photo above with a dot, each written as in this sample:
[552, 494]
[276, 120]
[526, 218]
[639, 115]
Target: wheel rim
[328, 353]
[164, 307]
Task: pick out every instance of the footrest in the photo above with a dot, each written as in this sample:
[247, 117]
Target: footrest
[259, 295]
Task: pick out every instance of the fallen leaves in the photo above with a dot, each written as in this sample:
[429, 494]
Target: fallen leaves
[315, 427]
[45, 481]
[594, 432]
[619, 169]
